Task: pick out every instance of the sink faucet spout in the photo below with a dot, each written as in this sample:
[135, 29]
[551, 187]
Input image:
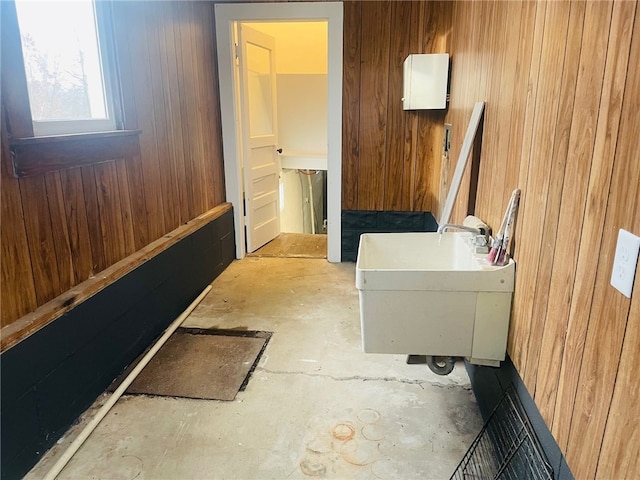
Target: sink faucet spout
[481, 236]
[448, 226]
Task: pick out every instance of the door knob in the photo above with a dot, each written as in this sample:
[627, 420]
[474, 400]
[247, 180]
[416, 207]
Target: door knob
[279, 150]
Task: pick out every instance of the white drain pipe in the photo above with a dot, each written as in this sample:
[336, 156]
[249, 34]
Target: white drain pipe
[77, 443]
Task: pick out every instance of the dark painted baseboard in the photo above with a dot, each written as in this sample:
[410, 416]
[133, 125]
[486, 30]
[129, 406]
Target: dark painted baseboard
[54, 375]
[357, 222]
[489, 384]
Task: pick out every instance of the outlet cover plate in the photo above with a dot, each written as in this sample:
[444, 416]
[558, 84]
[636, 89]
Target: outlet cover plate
[625, 261]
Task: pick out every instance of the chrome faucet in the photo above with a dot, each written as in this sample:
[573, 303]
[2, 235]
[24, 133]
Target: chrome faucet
[481, 235]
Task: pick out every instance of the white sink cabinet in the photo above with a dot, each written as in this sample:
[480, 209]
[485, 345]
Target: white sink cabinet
[430, 294]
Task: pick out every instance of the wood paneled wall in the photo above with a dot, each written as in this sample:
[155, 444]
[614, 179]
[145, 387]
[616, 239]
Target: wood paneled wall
[562, 85]
[390, 157]
[63, 227]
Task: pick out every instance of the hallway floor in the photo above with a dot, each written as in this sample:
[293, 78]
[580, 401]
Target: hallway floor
[315, 406]
[294, 245]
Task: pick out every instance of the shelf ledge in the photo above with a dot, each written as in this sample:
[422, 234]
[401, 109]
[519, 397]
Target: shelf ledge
[38, 155]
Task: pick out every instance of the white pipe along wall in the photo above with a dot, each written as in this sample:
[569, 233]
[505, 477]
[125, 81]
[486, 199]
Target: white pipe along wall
[77, 443]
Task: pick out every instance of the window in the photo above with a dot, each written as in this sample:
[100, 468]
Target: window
[65, 58]
[62, 99]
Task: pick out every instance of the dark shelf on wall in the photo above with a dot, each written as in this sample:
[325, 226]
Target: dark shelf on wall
[357, 222]
[38, 155]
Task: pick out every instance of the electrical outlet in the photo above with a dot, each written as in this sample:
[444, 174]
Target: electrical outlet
[625, 261]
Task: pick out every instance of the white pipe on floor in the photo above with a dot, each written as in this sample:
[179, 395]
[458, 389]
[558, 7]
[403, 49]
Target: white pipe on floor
[77, 443]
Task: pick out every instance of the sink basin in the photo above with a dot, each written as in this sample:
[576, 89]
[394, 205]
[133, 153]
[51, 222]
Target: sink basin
[427, 293]
[410, 261]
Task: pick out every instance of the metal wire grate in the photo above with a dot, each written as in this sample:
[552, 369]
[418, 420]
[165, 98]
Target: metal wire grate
[506, 447]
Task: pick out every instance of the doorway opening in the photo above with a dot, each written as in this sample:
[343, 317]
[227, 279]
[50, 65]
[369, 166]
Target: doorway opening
[309, 106]
[301, 99]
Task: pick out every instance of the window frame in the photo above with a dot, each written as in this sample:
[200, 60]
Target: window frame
[31, 153]
[102, 23]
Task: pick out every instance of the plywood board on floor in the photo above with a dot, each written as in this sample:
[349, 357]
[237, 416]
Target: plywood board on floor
[200, 364]
[294, 245]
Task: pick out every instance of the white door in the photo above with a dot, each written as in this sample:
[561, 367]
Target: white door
[226, 17]
[259, 136]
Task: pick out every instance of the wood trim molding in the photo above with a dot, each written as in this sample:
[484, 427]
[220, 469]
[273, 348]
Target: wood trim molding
[38, 155]
[15, 95]
[47, 313]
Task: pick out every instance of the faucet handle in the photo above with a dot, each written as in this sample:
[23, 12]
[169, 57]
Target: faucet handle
[480, 240]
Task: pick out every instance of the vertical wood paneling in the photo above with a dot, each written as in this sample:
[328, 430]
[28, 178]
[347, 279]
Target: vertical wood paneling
[16, 268]
[430, 132]
[197, 180]
[409, 188]
[395, 160]
[519, 332]
[621, 444]
[374, 78]
[127, 64]
[77, 224]
[535, 191]
[184, 64]
[128, 237]
[137, 198]
[173, 108]
[140, 38]
[610, 309]
[517, 102]
[200, 97]
[40, 238]
[571, 210]
[351, 103]
[558, 156]
[572, 97]
[595, 208]
[61, 228]
[98, 255]
[162, 116]
[485, 62]
[467, 62]
[428, 159]
[111, 226]
[61, 243]
[211, 128]
[500, 90]
[391, 158]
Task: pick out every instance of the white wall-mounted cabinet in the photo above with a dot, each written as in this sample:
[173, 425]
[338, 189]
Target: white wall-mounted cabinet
[425, 81]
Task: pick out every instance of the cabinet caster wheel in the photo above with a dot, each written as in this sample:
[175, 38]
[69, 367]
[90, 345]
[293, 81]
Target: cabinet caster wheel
[441, 365]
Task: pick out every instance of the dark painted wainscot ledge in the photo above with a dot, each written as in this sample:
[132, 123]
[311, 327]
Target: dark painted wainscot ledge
[489, 384]
[357, 222]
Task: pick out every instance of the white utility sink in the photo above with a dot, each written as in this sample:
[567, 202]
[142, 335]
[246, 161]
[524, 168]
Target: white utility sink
[430, 294]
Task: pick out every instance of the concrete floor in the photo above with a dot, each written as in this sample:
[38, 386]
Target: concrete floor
[316, 406]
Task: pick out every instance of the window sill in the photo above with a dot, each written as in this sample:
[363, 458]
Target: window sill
[38, 155]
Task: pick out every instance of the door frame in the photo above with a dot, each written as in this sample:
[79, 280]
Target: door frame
[225, 17]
